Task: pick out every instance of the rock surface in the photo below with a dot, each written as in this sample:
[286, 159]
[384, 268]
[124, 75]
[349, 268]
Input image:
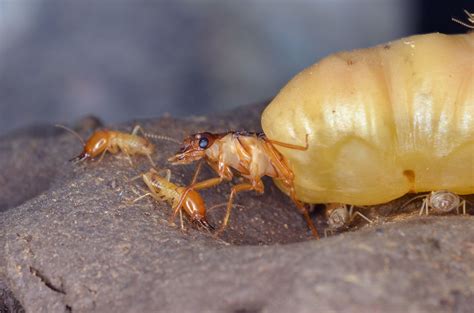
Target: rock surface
[71, 241]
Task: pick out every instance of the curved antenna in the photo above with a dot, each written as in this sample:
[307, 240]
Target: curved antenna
[411, 200]
[161, 137]
[72, 132]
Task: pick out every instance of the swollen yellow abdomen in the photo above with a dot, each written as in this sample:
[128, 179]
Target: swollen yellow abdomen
[382, 121]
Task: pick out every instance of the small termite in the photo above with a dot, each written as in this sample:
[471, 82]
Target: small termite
[252, 155]
[341, 216]
[162, 189]
[442, 201]
[113, 141]
[470, 18]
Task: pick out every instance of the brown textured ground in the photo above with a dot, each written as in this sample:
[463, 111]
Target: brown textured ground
[71, 242]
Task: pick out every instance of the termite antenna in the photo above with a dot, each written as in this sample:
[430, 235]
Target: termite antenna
[470, 18]
[161, 137]
[72, 132]
[223, 204]
[410, 201]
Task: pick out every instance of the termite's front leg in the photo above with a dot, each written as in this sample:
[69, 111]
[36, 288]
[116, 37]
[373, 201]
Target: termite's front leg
[236, 189]
[303, 210]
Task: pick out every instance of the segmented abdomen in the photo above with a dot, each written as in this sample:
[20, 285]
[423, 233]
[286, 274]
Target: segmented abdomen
[381, 121]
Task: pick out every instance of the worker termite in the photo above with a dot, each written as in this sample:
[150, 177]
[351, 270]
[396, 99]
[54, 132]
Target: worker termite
[252, 155]
[341, 216]
[113, 141]
[441, 201]
[162, 189]
[382, 122]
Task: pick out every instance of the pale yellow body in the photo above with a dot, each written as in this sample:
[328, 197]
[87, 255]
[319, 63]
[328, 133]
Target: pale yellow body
[247, 154]
[382, 121]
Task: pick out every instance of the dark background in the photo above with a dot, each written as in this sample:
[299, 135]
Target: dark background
[60, 60]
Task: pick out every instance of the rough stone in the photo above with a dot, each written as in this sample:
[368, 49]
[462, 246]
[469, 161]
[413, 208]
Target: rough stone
[72, 241]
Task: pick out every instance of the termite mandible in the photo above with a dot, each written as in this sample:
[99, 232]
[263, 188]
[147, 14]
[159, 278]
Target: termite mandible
[382, 121]
[252, 155]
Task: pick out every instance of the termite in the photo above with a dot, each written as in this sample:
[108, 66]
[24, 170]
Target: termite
[252, 155]
[340, 216]
[441, 201]
[162, 189]
[113, 141]
[382, 122]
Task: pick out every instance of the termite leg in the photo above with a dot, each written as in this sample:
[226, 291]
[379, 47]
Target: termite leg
[151, 160]
[185, 193]
[129, 201]
[137, 129]
[289, 145]
[363, 216]
[135, 178]
[181, 219]
[196, 172]
[142, 196]
[424, 206]
[353, 214]
[463, 205]
[102, 155]
[201, 185]
[304, 211]
[236, 189]
[326, 231]
[351, 210]
[470, 18]
[168, 174]
[129, 158]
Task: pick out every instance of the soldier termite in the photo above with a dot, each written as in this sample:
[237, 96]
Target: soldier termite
[162, 189]
[341, 216]
[112, 141]
[252, 155]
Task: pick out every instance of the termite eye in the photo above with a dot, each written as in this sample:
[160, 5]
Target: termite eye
[203, 142]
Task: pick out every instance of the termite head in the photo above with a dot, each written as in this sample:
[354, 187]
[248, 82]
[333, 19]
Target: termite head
[337, 217]
[95, 145]
[194, 148]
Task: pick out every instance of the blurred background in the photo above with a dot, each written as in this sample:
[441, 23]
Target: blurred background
[118, 60]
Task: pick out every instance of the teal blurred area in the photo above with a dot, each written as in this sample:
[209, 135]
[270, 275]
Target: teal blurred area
[60, 60]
